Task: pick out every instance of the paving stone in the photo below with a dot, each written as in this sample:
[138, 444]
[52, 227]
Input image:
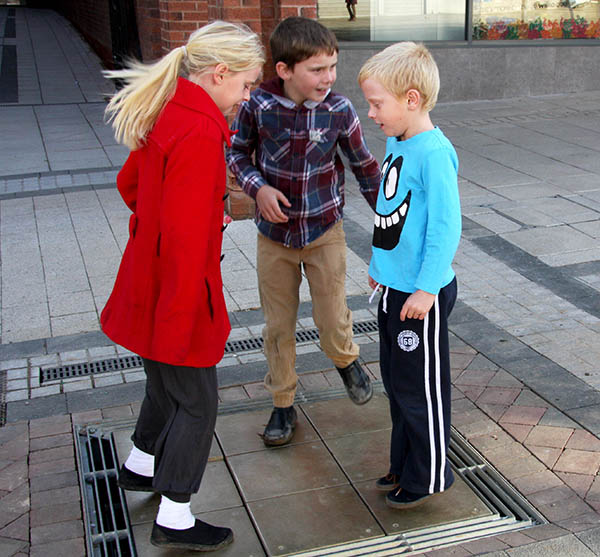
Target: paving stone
[546, 436]
[53, 481]
[54, 532]
[538, 481]
[579, 483]
[63, 495]
[51, 425]
[71, 548]
[17, 448]
[498, 395]
[584, 441]
[546, 531]
[547, 455]
[523, 415]
[124, 411]
[574, 461]
[593, 493]
[18, 529]
[494, 411]
[52, 441]
[14, 504]
[579, 522]
[485, 545]
[515, 539]
[232, 394]
[591, 538]
[257, 391]
[10, 547]
[565, 545]
[13, 475]
[51, 467]
[565, 509]
[551, 495]
[47, 455]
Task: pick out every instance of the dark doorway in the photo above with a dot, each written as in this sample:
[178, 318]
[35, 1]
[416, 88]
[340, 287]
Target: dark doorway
[124, 32]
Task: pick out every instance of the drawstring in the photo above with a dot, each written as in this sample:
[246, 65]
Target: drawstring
[385, 293]
[377, 285]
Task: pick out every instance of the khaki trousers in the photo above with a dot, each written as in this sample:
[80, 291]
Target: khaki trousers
[279, 272]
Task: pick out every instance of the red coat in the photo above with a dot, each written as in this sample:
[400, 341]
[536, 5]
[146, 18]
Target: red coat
[167, 303]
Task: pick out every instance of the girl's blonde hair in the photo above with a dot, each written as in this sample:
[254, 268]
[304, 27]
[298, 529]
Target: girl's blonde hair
[405, 66]
[135, 108]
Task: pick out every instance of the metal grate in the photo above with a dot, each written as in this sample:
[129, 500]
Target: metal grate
[132, 362]
[89, 368]
[107, 522]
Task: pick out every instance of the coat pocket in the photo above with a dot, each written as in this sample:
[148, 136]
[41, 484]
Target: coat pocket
[211, 309]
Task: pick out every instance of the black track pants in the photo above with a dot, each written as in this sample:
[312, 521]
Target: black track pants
[415, 368]
[176, 424]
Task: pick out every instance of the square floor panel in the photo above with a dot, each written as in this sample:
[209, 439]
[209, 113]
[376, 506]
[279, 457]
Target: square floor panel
[458, 503]
[217, 491]
[241, 433]
[245, 541]
[362, 456]
[337, 417]
[285, 470]
[313, 519]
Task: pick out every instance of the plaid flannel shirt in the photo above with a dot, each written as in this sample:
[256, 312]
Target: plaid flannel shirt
[295, 151]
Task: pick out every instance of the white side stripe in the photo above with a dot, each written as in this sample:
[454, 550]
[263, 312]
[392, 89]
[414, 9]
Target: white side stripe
[429, 406]
[438, 388]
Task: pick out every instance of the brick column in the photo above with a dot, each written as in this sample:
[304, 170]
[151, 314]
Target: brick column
[148, 22]
[178, 19]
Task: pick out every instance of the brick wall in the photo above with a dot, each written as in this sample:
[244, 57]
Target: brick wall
[149, 27]
[92, 19]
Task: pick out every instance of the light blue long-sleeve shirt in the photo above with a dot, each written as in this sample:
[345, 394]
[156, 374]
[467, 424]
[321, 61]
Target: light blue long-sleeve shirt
[418, 217]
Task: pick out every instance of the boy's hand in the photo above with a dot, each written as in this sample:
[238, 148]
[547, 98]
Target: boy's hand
[417, 305]
[268, 199]
[372, 283]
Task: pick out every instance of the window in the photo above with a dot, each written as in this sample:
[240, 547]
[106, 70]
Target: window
[536, 19]
[444, 20]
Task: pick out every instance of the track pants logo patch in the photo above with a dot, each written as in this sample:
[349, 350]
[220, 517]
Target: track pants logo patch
[408, 340]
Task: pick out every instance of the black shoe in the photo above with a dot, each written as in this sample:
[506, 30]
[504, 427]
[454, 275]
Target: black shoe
[403, 499]
[280, 428]
[134, 482]
[357, 383]
[388, 482]
[200, 537]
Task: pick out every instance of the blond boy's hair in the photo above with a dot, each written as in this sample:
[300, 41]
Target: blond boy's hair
[405, 66]
[135, 108]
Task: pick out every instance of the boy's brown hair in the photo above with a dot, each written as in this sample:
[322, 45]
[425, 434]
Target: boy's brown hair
[296, 39]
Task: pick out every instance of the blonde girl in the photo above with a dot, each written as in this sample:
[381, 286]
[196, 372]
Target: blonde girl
[167, 303]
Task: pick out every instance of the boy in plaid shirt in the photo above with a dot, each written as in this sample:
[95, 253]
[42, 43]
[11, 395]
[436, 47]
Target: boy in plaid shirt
[285, 157]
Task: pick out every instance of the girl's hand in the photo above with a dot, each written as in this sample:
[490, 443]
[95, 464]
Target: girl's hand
[417, 305]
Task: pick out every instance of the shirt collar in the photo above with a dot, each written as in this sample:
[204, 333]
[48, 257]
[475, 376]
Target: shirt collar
[195, 98]
[275, 88]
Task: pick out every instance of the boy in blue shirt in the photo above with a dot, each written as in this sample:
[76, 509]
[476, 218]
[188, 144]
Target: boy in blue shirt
[417, 231]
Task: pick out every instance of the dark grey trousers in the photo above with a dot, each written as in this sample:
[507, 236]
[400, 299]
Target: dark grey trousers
[176, 424]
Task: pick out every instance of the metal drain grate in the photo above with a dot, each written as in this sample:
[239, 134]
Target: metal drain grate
[107, 522]
[88, 368]
[132, 362]
[304, 335]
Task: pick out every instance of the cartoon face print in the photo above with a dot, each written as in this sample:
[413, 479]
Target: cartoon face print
[388, 227]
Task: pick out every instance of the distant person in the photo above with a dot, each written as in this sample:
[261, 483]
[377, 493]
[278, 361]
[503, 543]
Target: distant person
[417, 231]
[167, 303]
[351, 7]
[285, 156]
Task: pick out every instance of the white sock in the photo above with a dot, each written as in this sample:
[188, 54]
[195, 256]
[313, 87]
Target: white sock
[177, 516]
[140, 462]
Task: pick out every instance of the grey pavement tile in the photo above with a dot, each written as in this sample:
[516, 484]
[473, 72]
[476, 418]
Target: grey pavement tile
[36, 408]
[566, 545]
[550, 241]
